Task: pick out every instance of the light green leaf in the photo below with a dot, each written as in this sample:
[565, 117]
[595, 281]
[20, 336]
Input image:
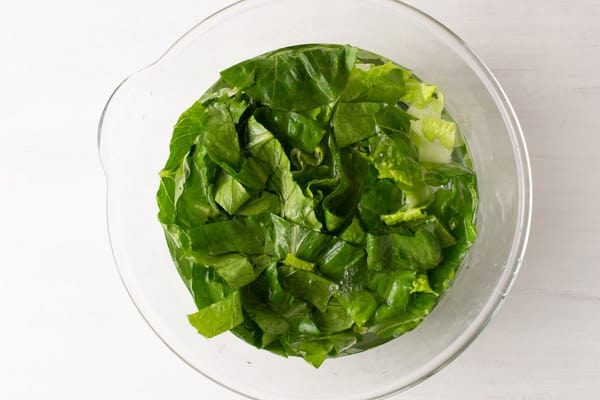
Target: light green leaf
[219, 317]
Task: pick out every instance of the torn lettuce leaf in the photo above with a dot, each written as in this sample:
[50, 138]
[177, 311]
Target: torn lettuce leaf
[317, 201]
[218, 317]
[295, 78]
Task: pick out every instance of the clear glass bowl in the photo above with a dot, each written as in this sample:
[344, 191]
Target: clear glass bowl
[134, 134]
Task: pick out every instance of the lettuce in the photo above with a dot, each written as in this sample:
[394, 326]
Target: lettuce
[317, 201]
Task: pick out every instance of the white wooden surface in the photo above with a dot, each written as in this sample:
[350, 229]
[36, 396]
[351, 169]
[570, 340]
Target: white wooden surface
[67, 327]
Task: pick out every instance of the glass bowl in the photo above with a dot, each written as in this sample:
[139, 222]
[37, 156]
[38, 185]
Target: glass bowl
[134, 134]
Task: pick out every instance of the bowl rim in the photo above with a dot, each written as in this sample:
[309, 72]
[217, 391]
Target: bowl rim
[523, 170]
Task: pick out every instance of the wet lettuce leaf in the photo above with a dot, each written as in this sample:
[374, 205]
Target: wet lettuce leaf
[375, 83]
[218, 317]
[353, 122]
[230, 193]
[297, 207]
[294, 78]
[317, 201]
[292, 128]
[395, 251]
[307, 286]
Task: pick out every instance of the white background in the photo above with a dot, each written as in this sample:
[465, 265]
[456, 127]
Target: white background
[68, 329]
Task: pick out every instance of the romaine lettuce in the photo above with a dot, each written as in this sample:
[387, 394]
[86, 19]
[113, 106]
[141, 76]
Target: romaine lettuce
[317, 201]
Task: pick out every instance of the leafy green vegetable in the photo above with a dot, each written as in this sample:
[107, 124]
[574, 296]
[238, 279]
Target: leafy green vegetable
[230, 194]
[317, 201]
[334, 319]
[395, 251]
[298, 263]
[219, 317]
[207, 287]
[354, 122]
[359, 304]
[295, 78]
[295, 129]
[307, 286]
[296, 206]
[379, 83]
[235, 235]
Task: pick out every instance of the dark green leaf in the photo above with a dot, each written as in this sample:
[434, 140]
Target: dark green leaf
[271, 325]
[383, 197]
[292, 128]
[253, 174]
[179, 245]
[295, 78]
[296, 207]
[335, 259]
[353, 122]
[265, 203]
[195, 204]
[220, 137]
[359, 304]
[236, 235]
[249, 331]
[207, 287]
[190, 125]
[394, 251]
[340, 205]
[395, 326]
[307, 286]
[394, 287]
[334, 319]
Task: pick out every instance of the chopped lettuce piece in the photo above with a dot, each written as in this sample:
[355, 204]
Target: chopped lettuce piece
[219, 317]
[298, 263]
[230, 194]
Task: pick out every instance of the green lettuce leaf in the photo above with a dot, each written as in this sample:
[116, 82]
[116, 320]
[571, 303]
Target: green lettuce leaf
[264, 203]
[296, 206]
[381, 83]
[394, 158]
[334, 319]
[235, 235]
[292, 128]
[381, 198]
[220, 136]
[339, 205]
[219, 317]
[308, 286]
[394, 251]
[359, 304]
[353, 122]
[190, 125]
[207, 287]
[317, 201]
[230, 194]
[295, 78]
